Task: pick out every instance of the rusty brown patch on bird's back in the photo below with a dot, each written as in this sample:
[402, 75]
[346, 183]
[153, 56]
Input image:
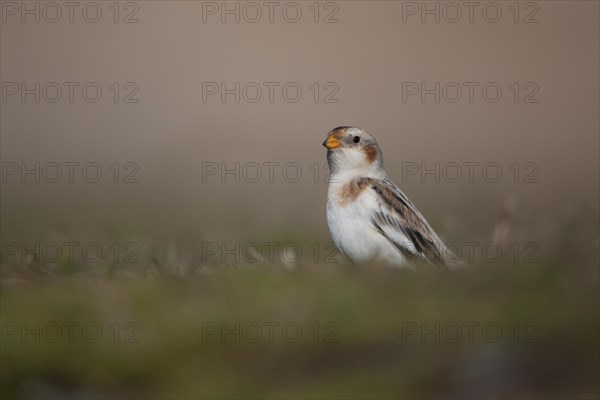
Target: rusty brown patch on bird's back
[371, 152]
[350, 191]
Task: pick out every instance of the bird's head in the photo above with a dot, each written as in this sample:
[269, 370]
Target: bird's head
[353, 150]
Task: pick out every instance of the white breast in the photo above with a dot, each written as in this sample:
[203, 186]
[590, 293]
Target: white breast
[352, 231]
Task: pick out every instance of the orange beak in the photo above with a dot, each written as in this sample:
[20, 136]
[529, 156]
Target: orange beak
[332, 142]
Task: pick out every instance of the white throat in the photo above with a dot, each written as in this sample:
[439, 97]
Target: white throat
[343, 176]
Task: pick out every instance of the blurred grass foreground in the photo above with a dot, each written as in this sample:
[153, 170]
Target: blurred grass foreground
[503, 330]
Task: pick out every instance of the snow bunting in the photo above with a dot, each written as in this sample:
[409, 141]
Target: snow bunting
[369, 217]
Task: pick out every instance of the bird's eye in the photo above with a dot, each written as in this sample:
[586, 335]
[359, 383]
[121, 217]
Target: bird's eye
[356, 139]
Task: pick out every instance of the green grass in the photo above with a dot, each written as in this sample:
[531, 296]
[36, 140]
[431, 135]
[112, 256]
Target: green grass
[367, 344]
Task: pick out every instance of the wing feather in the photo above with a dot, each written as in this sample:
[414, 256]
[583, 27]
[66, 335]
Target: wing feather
[399, 221]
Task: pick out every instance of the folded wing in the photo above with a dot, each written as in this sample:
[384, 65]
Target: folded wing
[399, 221]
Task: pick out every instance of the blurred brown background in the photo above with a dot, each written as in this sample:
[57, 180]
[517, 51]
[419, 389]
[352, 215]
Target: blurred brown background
[367, 54]
[164, 55]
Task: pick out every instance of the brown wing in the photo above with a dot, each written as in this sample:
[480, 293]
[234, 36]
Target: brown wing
[397, 212]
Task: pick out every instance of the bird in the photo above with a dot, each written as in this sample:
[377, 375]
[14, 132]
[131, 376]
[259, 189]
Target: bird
[369, 217]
